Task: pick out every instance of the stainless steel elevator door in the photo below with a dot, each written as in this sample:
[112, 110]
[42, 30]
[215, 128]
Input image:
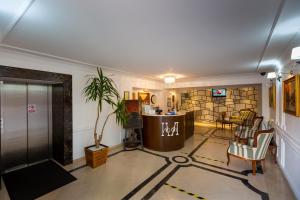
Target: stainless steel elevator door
[26, 114]
[38, 112]
[14, 134]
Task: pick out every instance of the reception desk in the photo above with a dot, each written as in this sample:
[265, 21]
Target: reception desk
[164, 132]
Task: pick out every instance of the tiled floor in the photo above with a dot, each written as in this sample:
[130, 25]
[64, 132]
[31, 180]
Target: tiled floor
[198, 171]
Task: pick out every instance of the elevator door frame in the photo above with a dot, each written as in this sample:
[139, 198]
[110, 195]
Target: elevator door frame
[48, 154]
[62, 123]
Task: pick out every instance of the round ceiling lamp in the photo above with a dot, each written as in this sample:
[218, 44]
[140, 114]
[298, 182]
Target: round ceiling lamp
[169, 79]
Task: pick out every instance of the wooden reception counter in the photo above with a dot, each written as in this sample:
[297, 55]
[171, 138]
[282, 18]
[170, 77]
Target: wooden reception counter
[164, 132]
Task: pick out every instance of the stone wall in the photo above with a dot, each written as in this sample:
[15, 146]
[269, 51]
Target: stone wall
[208, 108]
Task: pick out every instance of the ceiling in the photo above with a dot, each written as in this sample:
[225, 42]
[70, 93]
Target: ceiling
[193, 38]
[285, 36]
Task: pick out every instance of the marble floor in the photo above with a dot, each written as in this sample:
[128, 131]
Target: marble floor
[198, 171]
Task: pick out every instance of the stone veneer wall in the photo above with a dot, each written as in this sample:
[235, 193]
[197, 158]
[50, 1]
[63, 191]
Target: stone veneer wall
[208, 108]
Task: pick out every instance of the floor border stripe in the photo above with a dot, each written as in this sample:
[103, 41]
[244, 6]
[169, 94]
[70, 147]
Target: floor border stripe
[197, 196]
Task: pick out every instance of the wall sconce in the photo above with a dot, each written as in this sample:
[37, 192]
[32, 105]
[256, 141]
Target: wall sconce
[278, 76]
[271, 75]
[296, 54]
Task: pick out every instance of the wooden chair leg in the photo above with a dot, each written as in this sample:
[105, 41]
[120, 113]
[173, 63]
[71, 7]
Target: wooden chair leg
[228, 158]
[254, 167]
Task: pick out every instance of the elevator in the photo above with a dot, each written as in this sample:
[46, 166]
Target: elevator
[26, 124]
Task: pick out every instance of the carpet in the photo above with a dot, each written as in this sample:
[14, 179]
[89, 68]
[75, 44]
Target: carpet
[36, 180]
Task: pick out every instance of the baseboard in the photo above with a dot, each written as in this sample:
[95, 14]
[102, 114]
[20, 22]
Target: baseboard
[115, 147]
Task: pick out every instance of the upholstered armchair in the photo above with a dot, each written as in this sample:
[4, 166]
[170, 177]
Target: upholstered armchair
[245, 133]
[245, 117]
[254, 153]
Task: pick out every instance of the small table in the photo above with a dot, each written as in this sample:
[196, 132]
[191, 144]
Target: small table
[224, 122]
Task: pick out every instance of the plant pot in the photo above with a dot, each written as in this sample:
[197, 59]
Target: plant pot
[95, 158]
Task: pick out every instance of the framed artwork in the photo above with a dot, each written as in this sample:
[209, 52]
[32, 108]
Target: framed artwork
[272, 96]
[144, 97]
[133, 96]
[291, 95]
[126, 95]
[169, 103]
[153, 99]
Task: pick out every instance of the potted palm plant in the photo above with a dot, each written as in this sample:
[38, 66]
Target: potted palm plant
[102, 89]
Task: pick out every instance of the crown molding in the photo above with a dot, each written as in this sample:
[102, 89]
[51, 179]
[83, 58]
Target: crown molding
[68, 60]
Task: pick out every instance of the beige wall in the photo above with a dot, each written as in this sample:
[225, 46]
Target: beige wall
[83, 113]
[210, 108]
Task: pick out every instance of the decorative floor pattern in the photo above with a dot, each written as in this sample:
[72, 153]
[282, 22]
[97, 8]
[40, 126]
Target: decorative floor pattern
[198, 171]
[196, 196]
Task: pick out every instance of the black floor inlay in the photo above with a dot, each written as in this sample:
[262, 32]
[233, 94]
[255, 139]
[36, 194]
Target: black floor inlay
[198, 147]
[196, 196]
[180, 159]
[183, 161]
[218, 167]
[145, 182]
[160, 184]
[264, 196]
[34, 181]
[77, 168]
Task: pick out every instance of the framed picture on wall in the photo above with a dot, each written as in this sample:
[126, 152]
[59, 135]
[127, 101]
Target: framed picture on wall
[291, 95]
[153, 99]
[169, 102]
[126, 95]
[272, 96]
[133, 96]
[144, 97]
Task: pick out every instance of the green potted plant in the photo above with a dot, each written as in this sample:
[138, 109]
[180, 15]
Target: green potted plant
[102, 89]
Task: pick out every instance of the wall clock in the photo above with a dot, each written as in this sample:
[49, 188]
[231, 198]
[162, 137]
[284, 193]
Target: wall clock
[153, 99]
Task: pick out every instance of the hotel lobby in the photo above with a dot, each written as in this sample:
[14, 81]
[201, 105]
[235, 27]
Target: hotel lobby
[149, 99]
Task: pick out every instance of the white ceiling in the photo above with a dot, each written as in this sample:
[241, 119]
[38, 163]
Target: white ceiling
[149, 37]
[284, 35]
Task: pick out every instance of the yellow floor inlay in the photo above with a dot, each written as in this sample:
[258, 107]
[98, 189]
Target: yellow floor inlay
[218, 143]
[211, 159]
[197, 196]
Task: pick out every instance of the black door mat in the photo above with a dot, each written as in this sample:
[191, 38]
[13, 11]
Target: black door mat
[36, 180]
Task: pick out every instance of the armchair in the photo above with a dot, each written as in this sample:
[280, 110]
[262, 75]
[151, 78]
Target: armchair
[254, 153]
[245, 117]
[244, 132]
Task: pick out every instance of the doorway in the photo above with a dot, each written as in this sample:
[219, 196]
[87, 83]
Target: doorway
[26, 124]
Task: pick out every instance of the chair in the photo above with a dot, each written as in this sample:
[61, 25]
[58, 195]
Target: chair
[273, 145]
[254, 153]
[133, 131]
[244, 132]
[245, 117]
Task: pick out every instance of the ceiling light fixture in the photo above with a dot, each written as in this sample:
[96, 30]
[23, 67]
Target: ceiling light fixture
[296, 54]
[169, 79]
[271, 75]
